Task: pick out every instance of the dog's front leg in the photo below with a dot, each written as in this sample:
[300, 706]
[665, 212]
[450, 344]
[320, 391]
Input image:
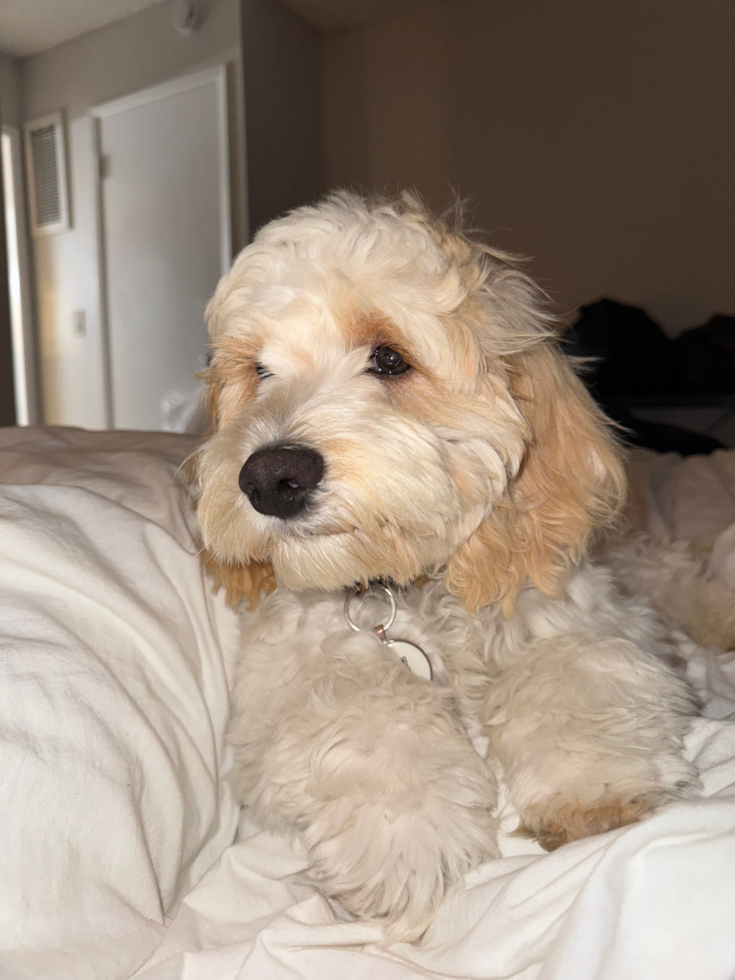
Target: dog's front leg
[589, 730]
[373, 769]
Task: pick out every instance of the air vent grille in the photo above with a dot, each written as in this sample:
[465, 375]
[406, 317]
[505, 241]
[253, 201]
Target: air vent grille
[47, 184]
[46, 176]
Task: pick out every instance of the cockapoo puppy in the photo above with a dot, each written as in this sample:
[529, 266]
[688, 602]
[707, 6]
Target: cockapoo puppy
[391, 406]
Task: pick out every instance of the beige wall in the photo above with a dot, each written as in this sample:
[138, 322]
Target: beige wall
[283, 60]
[10, 98]
[597, 137]
[113, 61]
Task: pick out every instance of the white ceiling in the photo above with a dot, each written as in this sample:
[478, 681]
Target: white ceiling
[30, 26]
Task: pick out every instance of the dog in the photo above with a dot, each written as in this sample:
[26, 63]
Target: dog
[393, 417]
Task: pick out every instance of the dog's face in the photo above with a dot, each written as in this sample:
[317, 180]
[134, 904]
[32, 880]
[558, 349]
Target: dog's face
[378, 387]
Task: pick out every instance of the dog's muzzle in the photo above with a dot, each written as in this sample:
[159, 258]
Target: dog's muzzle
[279, 480]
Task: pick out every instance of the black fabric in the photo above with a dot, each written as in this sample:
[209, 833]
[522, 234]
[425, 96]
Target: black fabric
[708, 356]
[633, 354]
[631, 359]
[664, 438]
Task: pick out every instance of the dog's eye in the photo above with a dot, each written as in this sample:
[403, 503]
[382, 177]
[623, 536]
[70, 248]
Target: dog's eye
[387, 361]
[262, 372]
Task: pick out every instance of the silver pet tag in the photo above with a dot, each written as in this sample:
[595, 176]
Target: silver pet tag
[412, 657]
[409, 654]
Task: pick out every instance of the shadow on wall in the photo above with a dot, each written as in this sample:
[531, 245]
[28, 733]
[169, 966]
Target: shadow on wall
[283, 77]
[598, 138]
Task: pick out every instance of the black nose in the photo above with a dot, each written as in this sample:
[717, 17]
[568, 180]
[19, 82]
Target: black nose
[279, 480]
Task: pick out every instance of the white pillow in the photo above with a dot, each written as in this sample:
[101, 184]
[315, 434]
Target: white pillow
[114, 664]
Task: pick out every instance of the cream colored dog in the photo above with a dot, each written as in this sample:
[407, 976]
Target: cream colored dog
[390, 404]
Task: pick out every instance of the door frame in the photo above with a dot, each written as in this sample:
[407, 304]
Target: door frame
[216, 76]
[25, 364]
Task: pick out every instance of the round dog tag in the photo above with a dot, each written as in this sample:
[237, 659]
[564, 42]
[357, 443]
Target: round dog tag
[408, 653]
[412, 657]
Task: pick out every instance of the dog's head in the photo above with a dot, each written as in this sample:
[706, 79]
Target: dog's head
[388, 399]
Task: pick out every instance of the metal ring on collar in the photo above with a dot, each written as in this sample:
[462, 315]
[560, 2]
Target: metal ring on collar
[370, 591]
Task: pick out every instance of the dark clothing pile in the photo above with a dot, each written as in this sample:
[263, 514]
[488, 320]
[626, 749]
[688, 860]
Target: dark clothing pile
[633, 363]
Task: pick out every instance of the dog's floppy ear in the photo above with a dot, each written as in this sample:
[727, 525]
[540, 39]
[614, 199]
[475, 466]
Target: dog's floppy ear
[229, 384]
[248, 581]
[571, 483]
[230, 381]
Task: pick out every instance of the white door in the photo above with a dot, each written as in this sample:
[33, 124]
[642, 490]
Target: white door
[164, 237]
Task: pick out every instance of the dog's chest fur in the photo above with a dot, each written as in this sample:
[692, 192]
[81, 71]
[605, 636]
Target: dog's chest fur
[290, 633]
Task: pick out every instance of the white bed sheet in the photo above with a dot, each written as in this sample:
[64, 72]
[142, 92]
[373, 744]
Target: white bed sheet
[114, 664]
[656, 900]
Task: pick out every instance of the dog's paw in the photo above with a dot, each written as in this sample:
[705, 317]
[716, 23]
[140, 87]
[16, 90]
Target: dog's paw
[395, 867]
[590, 731]
[623, 797]
[561, 819]
[390, 844]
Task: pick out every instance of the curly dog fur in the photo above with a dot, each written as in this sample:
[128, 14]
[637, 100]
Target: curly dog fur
[443, 443]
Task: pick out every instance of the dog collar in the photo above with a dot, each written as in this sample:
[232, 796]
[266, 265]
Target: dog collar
[409, 654]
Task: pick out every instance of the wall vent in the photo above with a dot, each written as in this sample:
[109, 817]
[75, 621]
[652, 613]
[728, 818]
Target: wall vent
[47, 185]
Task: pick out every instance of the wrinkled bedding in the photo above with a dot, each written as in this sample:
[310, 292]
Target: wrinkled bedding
[121, 851]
